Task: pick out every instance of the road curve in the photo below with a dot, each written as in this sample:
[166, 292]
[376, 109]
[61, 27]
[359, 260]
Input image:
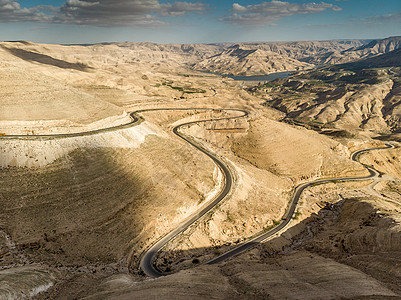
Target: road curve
[147, 260]
[293, 204]
[146, 263]
[134, 119]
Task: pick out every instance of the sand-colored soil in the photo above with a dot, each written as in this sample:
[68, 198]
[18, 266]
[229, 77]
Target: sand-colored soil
[77, 213]
[301, 275]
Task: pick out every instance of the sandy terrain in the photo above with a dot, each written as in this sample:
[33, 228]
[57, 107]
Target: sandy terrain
[77, 213]
[370, 49]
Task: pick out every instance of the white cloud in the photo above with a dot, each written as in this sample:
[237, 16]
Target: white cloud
[11, 11]
[181, 8]
[268, 12]
[239, 8]
[380, 19]
[122, 12]
[99, 12]
[79, 3]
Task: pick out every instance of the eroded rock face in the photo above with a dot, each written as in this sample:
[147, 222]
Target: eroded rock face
[340, 103]
[265, 58]
[237, 61]
[78, 212]
[24, 282]
[300, 275]
[370, 49]
[364, 235]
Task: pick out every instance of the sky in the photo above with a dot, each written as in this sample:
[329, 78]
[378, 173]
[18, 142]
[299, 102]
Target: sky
[196, 21]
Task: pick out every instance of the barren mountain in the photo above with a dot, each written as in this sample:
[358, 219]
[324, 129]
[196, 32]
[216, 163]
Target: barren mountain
[390, 59]
[34, 99]
[344, 98]
[240, 60]
[183, 53]
[367, 50]
[302, 49]
[266, 58]
[78, 212]
[236, 59]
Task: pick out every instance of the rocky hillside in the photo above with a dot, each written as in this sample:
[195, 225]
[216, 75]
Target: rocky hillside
[181, 53]
[243, 60]
[235, 59]
[260, 58]
[341, 98]
[266, 58]
[367, 50]
[387, 60]
[224, 58]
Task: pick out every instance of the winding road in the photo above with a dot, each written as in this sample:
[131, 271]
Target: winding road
[147, 259]
[293, 204]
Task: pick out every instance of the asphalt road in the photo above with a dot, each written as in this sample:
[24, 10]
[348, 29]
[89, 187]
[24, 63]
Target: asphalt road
[134, 120]
[293, 204]
[147, 264]
[147, 260]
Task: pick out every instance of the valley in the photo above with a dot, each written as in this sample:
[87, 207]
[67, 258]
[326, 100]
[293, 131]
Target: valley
[108, 149]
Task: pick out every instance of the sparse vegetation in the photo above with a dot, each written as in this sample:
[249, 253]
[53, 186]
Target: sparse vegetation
[185, 89]
[195, 261]
[230, 218]
[276, 222]
[123, 190]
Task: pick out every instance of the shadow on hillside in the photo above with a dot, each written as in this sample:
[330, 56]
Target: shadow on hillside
[334, 232]
[81, 211]
[45, 59]
[395, 136]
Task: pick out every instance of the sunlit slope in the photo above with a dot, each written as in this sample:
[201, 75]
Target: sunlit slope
[29, 95]
[368, 50]
[343, 97]
[102, 202]
[268, 159]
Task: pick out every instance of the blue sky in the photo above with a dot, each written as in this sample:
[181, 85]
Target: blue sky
[197, 21]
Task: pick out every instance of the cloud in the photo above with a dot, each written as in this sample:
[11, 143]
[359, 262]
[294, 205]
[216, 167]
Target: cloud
[268, 12]
[122, 12]
[380, 19]
[11, 11]
[180, 8]
[100, 12]
[79, 3]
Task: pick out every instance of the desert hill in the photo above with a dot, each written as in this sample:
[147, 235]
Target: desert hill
[373, 48]
[30, 95]
[81, 86]
[266, 58]
[240, 60]
[390, 59]
[380, 46]
[225, 58]
[343, 97]
[77, 213]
